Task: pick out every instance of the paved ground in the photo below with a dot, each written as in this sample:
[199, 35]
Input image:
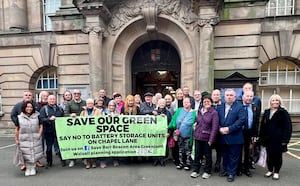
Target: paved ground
[137, 174]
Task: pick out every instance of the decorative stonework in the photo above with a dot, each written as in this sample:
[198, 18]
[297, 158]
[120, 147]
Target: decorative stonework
[128, 10]
[93, 7]
[150, 15]
[208, 22]
[88, 29]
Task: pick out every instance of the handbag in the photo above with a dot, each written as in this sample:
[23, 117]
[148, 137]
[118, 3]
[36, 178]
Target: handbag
[262, 157]
[171, 142]
[18, 157]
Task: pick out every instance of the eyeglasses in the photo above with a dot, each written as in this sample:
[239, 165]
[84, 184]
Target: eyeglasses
[75, 93]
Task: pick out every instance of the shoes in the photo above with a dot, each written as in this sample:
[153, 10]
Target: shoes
[275, 176]
[248, 173]
[217, 167]
[155, 163]
[49, 164]
[223, 174]
[94, 165]
[116, 163]
[239, 173]
[187, 167]
[268, 174]
[27, 172]
[252, 166]
[195, 174]
[102, 165]
[162, 163]
[32, 171]
[63, 163]
[230, 178]
[88, 166]
[72, 163]
[206, 175]
[39, 164]
[179, 166]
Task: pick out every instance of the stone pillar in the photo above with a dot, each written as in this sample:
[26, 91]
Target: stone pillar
[17, 20]
[208, 17]
[35, 15]
[206, 49]
[95, 32]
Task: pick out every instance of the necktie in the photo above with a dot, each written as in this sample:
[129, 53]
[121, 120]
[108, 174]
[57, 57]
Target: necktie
[227, 108]
[249, 115]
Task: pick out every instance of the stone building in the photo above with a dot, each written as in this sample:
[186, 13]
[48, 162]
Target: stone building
[133, 46]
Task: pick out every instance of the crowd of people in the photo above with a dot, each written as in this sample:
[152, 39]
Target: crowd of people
[205, 120]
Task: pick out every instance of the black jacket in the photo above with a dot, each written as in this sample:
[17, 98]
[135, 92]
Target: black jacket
[46, 112]
[275, 131]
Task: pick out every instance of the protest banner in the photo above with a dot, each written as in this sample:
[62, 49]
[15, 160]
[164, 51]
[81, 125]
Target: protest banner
[107, 136]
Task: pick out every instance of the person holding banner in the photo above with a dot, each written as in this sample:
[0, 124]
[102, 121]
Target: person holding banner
[48, 115]
[182, 123]
[28, 135]
[90, 110]
[163, 111]
[111, 111]
[74, 109]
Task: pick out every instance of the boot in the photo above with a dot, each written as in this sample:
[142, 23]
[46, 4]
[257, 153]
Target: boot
[27, 171]
[32, 169]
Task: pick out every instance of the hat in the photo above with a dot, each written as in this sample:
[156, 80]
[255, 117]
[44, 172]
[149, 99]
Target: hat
[148, 94]
[205, 93]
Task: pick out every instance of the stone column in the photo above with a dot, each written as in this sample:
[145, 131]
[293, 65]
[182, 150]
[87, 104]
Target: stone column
[35, 15]
[17, 15]
[206, 49]
[95, 32]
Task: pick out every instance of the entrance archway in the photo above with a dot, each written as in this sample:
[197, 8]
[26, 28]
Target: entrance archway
[155, 68]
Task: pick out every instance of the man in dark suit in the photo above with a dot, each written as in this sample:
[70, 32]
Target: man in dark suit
[232, 117]
[250, 130]
[147, 107]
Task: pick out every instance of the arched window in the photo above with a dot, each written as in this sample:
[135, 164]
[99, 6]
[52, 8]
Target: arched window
[282, 77]
[47, 81]
[280, 7]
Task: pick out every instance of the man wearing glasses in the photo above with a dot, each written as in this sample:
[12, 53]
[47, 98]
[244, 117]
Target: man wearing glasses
[73, 109]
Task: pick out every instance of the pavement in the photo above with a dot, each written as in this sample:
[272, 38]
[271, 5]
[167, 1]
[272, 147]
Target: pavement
[141, 174]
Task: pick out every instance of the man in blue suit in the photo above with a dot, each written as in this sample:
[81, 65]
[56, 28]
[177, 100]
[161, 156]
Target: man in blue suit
[232, 117]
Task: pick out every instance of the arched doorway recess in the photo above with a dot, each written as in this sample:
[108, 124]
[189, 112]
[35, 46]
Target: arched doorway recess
[155, 68]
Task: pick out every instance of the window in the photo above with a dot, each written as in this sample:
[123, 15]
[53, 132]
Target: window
[280, 7]
[279, 72]
[50, 7]
[47, 81]
[280, 76]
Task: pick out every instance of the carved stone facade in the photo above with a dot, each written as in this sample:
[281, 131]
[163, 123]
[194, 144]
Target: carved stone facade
[93, 43]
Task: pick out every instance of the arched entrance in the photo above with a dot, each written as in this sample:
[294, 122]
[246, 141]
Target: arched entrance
[155, 68]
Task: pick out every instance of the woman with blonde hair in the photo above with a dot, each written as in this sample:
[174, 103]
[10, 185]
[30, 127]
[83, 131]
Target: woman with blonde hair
[275, 133]
[90, 110]
[130, 108]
